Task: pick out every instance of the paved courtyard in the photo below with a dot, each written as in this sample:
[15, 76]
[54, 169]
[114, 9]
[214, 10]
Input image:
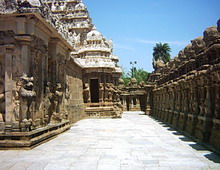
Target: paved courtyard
[134, 142]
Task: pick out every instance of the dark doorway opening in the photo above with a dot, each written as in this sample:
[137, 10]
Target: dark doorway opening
[94, 90]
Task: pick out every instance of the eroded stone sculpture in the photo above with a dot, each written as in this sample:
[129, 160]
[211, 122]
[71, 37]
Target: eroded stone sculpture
[27, 96]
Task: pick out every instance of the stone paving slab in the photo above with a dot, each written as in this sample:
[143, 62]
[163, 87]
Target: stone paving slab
[134, 142]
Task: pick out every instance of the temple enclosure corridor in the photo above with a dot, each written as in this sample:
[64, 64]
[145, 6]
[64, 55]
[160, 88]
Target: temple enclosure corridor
[135, 141]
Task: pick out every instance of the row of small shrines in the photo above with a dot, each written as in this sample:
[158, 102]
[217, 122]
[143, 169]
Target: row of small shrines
[187, 91]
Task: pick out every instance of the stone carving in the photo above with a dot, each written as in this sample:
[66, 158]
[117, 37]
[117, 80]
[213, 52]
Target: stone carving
[27, 97]
[58, 96]
[16, 101]
[211, 36]
[48, 100]
[198, 45]
[7, 6]
[66, 101]
[110, 92]
[159, 64]
[101, 92]
[133, 82]
[106, 92]
[86, 93]
[188, 51]
[2, 100]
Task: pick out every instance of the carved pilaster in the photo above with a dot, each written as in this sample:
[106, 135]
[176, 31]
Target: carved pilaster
[9, 49]
[25, 53]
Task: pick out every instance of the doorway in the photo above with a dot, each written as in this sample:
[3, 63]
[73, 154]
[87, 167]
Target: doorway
[94, 90]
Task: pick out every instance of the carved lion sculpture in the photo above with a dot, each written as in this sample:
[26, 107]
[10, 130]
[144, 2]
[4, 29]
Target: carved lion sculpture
[27, 96]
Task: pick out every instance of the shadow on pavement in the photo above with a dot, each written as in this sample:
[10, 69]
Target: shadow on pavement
[198, 147]
[190, 141]
[213, 157]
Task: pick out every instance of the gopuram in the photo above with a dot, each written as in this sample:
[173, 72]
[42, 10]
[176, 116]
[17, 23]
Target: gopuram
[186, 90]
[55, 69]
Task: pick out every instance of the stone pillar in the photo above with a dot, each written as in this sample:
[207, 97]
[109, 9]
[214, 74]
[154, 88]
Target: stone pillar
[25, 55]
[9, 48]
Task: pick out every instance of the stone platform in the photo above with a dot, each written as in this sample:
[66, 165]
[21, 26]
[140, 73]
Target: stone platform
[135, 142]
[28, 140]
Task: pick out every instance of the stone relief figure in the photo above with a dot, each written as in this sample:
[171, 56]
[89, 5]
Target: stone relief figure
[58, 96]
[86, 93]
[101, 92]
[27, 98]
[16, 101]
[66, 101]
[110, 92]
[117, 94]
[198, 45]
[158, 65]
[48, 103]
[133, 83]
[211, 36]
[121, 83]
[106, 91]
[2, 100]
[142, 84]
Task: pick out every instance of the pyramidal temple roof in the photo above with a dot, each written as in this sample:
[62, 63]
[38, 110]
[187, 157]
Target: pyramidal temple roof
[72, 21]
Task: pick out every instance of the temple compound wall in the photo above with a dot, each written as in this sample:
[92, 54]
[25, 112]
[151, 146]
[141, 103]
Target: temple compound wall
[41, 89]
[187, 89]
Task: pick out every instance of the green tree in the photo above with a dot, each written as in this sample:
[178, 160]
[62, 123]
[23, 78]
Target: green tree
[125, 76]
[139, 74]
[162, 52]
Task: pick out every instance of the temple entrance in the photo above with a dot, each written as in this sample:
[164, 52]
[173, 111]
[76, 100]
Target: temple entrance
[94, 90]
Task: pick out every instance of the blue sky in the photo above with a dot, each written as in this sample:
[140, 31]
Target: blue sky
[135, 26]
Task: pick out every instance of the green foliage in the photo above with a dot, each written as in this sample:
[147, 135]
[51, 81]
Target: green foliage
[139, 74]
[162, 52]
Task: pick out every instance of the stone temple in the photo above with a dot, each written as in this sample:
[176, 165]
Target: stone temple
[56, 68]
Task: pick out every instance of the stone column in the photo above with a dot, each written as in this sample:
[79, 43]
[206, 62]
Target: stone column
[9, 48]
[25, 58]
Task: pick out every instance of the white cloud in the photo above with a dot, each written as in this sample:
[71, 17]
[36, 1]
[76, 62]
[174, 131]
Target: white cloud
[177, 43]
[122, 46]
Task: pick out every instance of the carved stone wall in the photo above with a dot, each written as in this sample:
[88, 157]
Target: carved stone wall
[74, 93]
[40, 84]
[187, 93]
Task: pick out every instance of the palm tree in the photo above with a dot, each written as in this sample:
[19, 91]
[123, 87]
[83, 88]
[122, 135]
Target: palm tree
[138, 74]
[162, 52]
[141, 75]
